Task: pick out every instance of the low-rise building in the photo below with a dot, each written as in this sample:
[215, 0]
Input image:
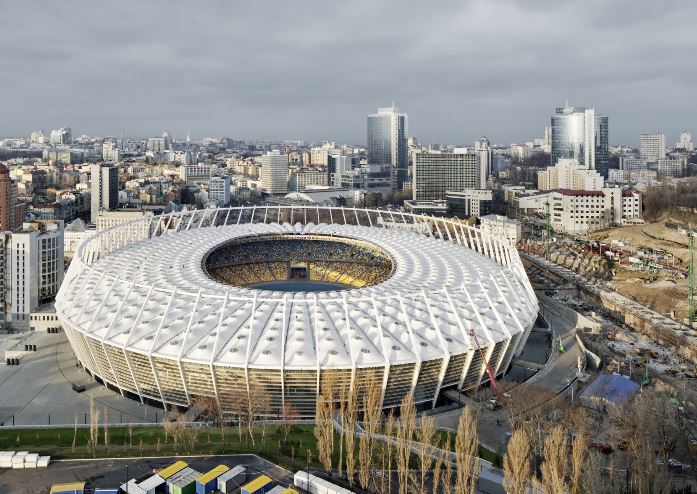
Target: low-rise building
[501, 227]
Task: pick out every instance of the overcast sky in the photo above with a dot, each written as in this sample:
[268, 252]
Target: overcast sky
[292, 69]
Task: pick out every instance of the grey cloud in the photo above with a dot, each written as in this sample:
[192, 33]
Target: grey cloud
[313, 70]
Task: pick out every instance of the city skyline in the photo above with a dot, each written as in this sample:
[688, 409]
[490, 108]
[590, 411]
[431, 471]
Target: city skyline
[252, 72]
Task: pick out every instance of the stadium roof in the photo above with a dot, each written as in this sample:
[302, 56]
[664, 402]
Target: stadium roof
[154, 297]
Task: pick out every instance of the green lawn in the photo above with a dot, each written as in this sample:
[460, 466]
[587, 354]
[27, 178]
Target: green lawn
[143, 441]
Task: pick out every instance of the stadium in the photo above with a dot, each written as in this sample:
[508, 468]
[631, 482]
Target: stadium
[285, 301]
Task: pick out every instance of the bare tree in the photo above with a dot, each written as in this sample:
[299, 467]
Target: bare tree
[289, 415]
[324, 430]
[94, 429]
[371, 422]
[467, 453]
[349, 426]
[579, 457]
[257, 403]
[425, 435]
[106, 429]
[555, 466]
[72, 449]
[405, 438]
[448, 476]
[516, 463]
[387, 454]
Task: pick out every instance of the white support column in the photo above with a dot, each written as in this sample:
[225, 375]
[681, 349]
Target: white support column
[154, 342]
[249, 345]
[227, 215]
[315, 325]
[343, 212]
[128, 340]
[278, 220]
[284, 336]
[107, 334]
[266, 212]
[211, 363]
[191, 219]
[465, 336]
[386, 350]
[435, 223]
[501, 324]
[331, 217]
[414, 344]
[443, 347]
[487, 332]
[355, 213]
[239, 216]
[511, 313]
[181, 349]
[292, 214]
[348, 339]
[251, 218]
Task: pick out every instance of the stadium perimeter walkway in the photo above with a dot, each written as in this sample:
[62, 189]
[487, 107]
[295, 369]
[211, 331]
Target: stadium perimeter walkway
[39, 390]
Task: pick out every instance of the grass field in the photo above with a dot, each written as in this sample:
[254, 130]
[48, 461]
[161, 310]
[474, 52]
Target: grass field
[269, 443]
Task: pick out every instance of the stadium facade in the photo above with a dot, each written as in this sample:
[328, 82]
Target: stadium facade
[184, 305]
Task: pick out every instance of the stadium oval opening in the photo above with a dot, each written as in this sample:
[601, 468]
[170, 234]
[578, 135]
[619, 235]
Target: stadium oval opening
[298, 263]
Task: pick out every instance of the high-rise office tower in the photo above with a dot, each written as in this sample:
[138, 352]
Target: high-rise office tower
[387, 141]
[11, 211]
[685, 142]
[105, 189]
[652, 146]
[579, 134]
[274, 172]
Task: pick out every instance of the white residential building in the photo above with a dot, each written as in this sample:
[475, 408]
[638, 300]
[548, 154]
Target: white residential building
[64, 135]
[632, 163]
[138, 230]
[110, 151]
[300, 180]
[219, 190]
[569, 174]
[469, 202]
[274, 172]
[501, 227]
[34, 258]
[579, 211]
[670, 167]
[652, 146]
[685, 142]
[195, 174]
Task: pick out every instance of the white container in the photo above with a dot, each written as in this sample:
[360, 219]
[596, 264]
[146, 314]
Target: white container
[18, 459]
[43, 461]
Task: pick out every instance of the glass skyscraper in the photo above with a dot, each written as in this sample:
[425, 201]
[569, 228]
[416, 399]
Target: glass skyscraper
[577, 133]
[387, 141]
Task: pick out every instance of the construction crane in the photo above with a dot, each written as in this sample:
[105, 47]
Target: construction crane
[691, 315]
[492, 377]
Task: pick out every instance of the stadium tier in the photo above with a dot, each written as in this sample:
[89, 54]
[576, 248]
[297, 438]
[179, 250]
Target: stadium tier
[171, 308]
